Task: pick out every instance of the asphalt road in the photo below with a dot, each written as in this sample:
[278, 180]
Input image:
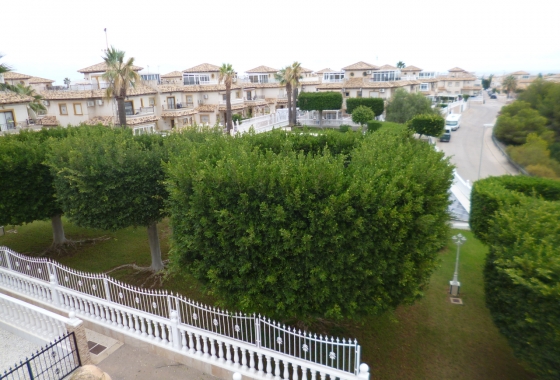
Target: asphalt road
[465, 145]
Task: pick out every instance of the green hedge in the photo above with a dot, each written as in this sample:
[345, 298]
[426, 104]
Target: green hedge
[373, 125]
[490, 194]
[377, 105]
[319, 101]
[344, 128]
[281, 224]
[429, 125]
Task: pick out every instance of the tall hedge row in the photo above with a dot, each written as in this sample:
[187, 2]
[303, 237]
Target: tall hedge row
[519, 219]
[296, 226]
[377, 105]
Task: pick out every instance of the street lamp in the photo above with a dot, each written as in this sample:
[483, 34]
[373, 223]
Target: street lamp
[454, 284]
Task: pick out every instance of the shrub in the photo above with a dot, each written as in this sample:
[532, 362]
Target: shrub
[429, 125]
[377, 105]
[236, 118]
[344, 128]
[403, 106]
[362, 114]
[466, 97]
[278, 224]
[373, 125]
[522, 282]
[517, 121]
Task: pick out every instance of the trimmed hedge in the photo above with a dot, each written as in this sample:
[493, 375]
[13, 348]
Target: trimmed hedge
[429, 125]
[491, 194]
[344, 128]
[319, 101]
[373, 125]
[377, 105]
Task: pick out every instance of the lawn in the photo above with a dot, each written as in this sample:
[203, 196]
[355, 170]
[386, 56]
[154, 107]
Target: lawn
[432, 339]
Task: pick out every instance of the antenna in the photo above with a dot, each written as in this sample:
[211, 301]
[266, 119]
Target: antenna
[106, 40]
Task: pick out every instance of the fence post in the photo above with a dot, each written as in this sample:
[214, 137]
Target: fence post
[29, 370]
[175, 330]
[258, 331]
[7, 255]
[54, 290]
[364, 371]
[106, 285]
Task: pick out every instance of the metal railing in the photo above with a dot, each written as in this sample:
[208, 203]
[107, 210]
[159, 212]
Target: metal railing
[175, 322]
[177, 106]
[142, 111]
[55, 361]
[233, 101]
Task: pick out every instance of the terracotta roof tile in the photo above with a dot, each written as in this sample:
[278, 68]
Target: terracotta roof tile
[327, 70]
[411, 68]
[361, 66]
[310, 83]
[183, 112]
[206, 108]
[7, 97]
[92, 94]
[262, 69]
[234, 107]
[460, 77]
[456, 70]
[520, 73]
[387, 67]
[304, 70]
[101, 68]
[13, 75]
[48, 121]
[173, 74]
[366, 83]
[36, 80]
[103, 120]
[141, 120]
[202, 68]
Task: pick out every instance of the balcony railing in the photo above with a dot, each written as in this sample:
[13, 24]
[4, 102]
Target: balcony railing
[142, 111]
[177, 107]
[254, 98]
[233, 101]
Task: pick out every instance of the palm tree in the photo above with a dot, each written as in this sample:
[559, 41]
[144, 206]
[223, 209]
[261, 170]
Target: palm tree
[4, 69]
[296, 75]
[120, 75]
[284, 77]
[510, 84]
[226, 75]
[400, 65]
[67, 81]
[36, 104]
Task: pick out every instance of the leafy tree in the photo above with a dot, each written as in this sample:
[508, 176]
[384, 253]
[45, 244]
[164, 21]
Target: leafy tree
[544, 96]
[296, 75]
[320, 101]
[534, 155]
[516, 121]
[36, 104]
[121, 76]
[285, 78]
[400, 65]
[509, 84]
[466, 97]
[486, 83]
[236, 118]
[280, 231]
[377, 105]
[429, 125]
[26, 183]
[110, 179]
[67, 81]
[226, 75]
[362, 114]
[403, 106]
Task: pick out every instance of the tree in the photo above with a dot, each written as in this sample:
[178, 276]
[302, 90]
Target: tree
[362, 114]
[4, 68]
[26, 183]
[275, 229]
[121, 76]
[284, 77]
[403, 106]
[226, 75]
[429, 125]
[377, 105]
[534, 155]
[37, 103]
[509, 84]
[320, 101]
[109, 179]
[67, 81]
[296, 75]
[516, 121]
[400, 65]
[486, 83]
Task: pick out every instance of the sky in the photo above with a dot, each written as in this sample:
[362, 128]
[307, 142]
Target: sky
[53, 39]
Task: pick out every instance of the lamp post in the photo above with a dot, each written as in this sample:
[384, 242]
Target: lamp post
[454, 284]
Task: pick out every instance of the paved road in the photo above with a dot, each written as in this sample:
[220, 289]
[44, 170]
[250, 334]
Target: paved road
[465, 145]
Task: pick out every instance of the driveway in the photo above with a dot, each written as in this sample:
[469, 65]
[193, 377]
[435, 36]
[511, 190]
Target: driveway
[465, 145]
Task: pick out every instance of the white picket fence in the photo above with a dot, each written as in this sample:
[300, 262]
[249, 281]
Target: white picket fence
[250, 344]
[263, 123]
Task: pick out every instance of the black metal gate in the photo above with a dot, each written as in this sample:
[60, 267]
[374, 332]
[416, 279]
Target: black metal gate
[53, 362]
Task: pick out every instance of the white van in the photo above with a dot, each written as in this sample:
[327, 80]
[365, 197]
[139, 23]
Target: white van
[453, 121]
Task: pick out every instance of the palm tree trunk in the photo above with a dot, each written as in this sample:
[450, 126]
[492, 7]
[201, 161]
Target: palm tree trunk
[289, 94]
[122, 111]
[294, 106]
[155, 250]
[58, 230]
[229, 124]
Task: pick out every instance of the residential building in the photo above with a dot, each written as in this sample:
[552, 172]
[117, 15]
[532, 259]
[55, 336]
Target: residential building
[524, 79]
[13, 111]
[457, 82]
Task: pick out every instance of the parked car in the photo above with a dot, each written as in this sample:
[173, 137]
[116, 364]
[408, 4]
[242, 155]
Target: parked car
[493, 96]
[446, 135]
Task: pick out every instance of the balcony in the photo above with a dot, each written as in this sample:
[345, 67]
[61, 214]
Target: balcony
[177, 107]
[141, 112]
[233, 101]
[254, 98]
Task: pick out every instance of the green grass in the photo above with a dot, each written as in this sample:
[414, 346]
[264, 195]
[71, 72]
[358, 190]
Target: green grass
[432, 339]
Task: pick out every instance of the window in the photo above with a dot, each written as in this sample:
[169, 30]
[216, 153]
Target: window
[196, 79]
[384, 76]
[425, 87]
[63, 109]
[205, 119]
[525, 77]
[374, 94]
[224, 97]
[78, 109]
[333, 77]
[359, 94]
[189, 100]
[129, 108]
[152, 102]
[347, 93]
[457, 84]
[427, 75]
[449, 84]
[150, 77]
[7, 120]
[258, 78]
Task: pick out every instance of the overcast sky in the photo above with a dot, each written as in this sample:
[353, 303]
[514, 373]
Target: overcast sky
[53, 39]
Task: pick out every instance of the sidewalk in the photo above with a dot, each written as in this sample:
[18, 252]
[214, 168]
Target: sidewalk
[130, 362]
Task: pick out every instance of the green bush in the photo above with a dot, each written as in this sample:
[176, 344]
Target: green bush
[373, 125]
[429, 125]
[377, 105]
[280, 225]
[344, 128]
[362, 114]
[236, 118]
[489, 195]
[522, 282]
[466, 97]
